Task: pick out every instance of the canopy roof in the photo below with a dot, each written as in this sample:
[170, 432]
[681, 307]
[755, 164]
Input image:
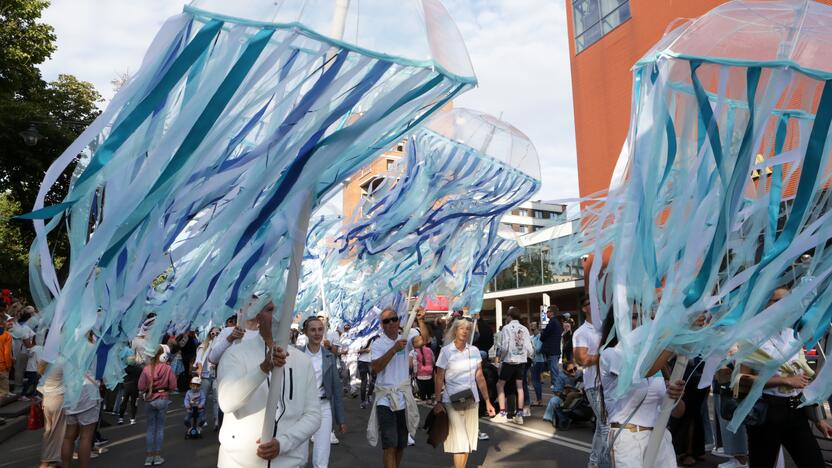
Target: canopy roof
[419, 31]
[796, 33]
[489, 136]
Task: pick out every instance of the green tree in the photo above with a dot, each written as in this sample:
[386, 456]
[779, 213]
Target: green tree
[60, 110]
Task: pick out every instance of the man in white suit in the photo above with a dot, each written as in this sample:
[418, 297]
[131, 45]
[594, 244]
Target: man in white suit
[243, 388]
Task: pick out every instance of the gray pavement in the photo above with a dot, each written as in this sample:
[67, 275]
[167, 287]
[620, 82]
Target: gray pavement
[533, 444]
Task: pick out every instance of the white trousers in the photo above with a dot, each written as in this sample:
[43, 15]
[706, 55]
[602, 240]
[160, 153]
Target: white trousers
[628, 449]
[321, 441]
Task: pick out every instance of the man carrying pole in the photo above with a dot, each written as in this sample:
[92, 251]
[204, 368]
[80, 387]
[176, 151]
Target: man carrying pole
[394, 414]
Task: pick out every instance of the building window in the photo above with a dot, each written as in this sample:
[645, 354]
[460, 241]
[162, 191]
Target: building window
[524, 212]
[595, 18]
[390, 163]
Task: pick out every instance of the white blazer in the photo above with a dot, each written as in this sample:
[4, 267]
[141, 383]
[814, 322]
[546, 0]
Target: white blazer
[242, 394]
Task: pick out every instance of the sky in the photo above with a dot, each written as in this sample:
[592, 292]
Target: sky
[518, 48]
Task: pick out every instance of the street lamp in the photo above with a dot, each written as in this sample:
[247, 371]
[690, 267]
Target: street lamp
[31, 135]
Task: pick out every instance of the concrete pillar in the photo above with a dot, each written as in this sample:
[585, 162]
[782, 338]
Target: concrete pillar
[498, 307]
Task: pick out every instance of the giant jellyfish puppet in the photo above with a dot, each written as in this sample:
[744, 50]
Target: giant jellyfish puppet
[721, 193]
[195, 184]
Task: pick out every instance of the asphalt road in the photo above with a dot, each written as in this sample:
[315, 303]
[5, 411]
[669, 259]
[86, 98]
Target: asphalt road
[533, 444]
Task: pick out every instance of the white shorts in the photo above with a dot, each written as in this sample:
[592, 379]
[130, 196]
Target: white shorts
[463, 429]
[628, 449]
[84, 418]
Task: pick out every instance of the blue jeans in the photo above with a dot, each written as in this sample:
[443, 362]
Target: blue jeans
[600, 455]
[155, 411]
[209, 391]
[537, 371]
[552, 362]
[551, 408]
[189, 417]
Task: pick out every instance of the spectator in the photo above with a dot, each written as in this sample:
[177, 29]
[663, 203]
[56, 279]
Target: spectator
[81, 419]
[566, 345]
[130, 389]
[423, 365]
[6, 359]
[156, 382]
[365, 373]
[194, 405]
[550, 338]
[54, 422]
[30, 375]
[587, 340]
[563, 397]
[21, 332]
[537, 366]
[515, 349]
[458, 379]
[207, 373]
[484, 336]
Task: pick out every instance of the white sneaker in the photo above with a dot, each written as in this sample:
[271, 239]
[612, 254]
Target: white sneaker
[157, 460]
[333, 440]
[132, 421]
[732, 463]
[518, 419]
[148, 461]
[410, 441]
[483, 436]
[500, 418]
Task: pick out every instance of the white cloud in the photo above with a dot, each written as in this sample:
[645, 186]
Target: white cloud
[519, 50]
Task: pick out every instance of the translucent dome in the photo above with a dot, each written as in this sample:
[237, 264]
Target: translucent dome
[797, 33]
[419, 31]
[489, 136]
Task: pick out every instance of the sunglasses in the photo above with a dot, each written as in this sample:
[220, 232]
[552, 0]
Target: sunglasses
[390, 319]
[469, 319]
[570, 369]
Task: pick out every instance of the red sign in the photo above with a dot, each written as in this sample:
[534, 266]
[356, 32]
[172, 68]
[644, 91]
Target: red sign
[436, 303]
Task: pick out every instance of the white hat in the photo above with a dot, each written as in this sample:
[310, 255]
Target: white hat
[566, 315]
[196, 381]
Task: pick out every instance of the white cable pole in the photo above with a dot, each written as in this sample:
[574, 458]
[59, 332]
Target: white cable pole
[655, 441]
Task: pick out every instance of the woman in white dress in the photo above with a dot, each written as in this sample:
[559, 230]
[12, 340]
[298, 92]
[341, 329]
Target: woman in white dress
[458, 376]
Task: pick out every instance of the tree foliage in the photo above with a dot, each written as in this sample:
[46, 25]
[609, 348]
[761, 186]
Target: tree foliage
[60, 110]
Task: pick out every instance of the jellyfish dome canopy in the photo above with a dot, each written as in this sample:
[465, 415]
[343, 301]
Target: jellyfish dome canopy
[794, 33]
[419, 32]
[488, 136]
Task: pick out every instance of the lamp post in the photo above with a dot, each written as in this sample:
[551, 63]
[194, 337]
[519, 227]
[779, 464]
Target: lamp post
[31, 135]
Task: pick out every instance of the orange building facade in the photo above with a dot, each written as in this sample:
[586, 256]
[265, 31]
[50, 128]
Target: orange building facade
[606, 37]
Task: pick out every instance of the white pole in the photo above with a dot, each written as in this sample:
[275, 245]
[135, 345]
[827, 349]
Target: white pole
[322, 290]
[283, 315]
[655, 441]
[410, 318]
[280, 328]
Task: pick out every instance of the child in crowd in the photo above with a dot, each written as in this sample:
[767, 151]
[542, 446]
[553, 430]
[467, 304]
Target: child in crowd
[422, 364]
[30, 375]
[195, 406]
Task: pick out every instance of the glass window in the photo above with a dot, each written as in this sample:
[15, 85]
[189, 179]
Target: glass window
[595, 18]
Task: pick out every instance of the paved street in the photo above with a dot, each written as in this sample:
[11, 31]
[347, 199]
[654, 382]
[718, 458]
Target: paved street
[532, 444]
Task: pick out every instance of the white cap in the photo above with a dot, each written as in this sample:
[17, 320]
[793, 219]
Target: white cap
[196, 381]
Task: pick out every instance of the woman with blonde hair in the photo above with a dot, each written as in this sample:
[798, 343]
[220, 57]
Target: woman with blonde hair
[458, 376]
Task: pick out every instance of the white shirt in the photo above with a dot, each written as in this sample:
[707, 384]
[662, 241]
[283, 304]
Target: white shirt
[586, 336]
[365, 356]
[515, 343]
[34, 357]
[396, 371]
[777, 347]
[302, 341]
[651, 390]
[460, 370]
[317, 364]
[221, 343]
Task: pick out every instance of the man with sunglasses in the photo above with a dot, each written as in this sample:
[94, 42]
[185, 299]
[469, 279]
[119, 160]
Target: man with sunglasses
[394, 414]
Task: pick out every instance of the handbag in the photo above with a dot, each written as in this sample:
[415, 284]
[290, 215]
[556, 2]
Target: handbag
[35, 419]
[728, 404]
[463, 399]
